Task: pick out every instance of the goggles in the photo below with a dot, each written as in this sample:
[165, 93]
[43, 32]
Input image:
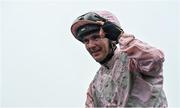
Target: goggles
[92, 17]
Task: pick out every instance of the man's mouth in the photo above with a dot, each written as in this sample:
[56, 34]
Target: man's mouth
[96, 52]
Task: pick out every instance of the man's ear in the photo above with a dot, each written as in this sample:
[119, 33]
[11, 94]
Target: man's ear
[102, 33]
[112, 45]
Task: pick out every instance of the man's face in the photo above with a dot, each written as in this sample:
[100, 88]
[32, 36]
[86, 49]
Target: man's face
[97, 46]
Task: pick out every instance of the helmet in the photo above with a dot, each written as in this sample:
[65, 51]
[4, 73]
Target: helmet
[79, 26]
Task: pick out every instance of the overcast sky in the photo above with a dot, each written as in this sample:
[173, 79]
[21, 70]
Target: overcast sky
[42, 65]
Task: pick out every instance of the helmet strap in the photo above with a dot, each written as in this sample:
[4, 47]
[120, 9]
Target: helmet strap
[112, 47]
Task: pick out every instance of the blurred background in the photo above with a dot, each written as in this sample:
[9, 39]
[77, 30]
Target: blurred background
[42, 65]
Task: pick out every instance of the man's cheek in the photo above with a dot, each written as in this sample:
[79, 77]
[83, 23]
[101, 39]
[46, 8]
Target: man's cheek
[89, 51]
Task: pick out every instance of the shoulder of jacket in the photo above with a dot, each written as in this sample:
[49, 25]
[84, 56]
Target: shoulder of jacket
[97, 74]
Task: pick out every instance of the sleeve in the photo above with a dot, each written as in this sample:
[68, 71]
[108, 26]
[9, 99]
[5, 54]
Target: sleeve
[143, 57]
[89, 99]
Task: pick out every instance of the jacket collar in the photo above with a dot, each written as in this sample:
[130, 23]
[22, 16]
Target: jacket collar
[109, 64]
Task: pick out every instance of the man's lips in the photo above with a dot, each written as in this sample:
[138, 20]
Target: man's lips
[95, 53]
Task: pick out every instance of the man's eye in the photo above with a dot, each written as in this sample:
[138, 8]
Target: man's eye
[85, 41]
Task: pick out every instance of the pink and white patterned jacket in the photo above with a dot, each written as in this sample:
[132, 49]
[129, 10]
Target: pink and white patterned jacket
[131, 78]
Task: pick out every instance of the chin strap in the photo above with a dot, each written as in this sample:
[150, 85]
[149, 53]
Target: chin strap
[111, 52]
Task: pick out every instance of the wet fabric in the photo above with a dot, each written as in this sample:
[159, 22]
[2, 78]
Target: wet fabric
[131, 78]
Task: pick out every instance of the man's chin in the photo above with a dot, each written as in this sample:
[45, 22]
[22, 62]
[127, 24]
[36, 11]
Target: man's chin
[98, 59]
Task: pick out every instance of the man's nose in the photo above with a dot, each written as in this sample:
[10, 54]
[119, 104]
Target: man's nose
[91, 44]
